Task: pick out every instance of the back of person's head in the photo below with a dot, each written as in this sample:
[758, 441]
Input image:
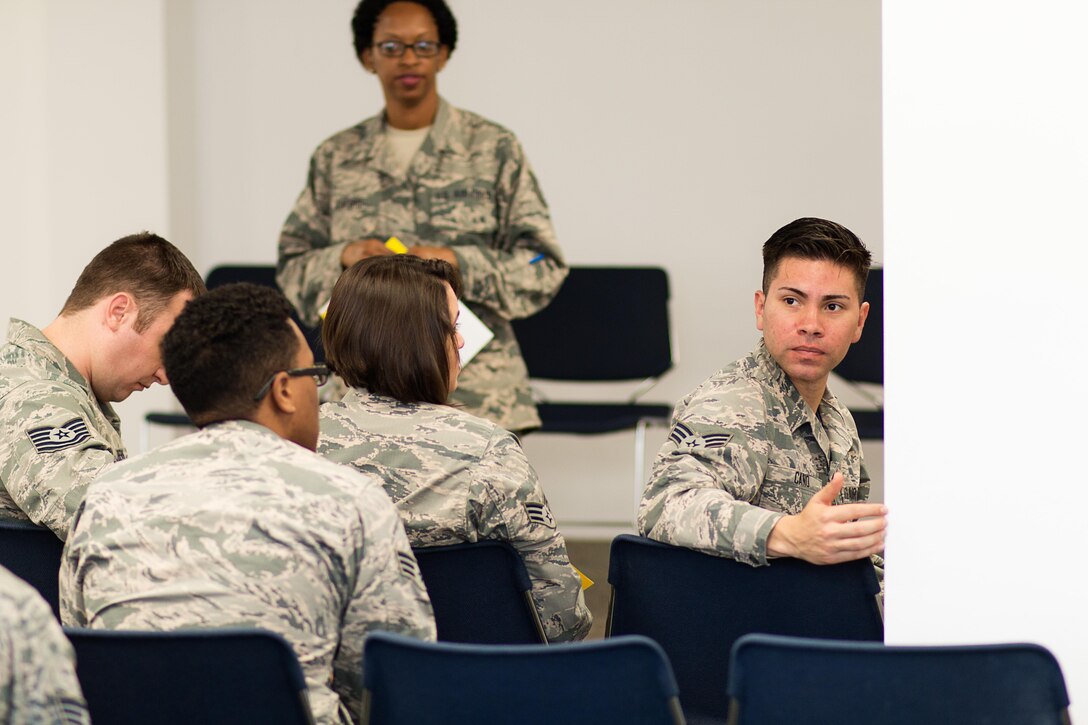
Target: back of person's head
[144, 265]
[367, 12]
[388, 327]
[224, 346]
[816, 239]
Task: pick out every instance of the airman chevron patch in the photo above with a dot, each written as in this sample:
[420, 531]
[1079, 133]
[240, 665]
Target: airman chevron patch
[48, 439]
[408, 565]
[680, 433]
[539, 514]
[716, 440]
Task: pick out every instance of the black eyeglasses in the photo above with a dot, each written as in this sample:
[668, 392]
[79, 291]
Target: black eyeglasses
[320, 374]
[395, 48]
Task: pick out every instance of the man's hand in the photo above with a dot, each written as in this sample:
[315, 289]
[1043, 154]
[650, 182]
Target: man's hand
[362, 249]
[824, 533]
[426, 252]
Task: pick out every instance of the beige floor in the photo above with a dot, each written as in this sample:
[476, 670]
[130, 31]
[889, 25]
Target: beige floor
[591, 557]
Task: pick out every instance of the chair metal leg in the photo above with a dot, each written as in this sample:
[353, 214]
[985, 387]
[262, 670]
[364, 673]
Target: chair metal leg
[640, 466]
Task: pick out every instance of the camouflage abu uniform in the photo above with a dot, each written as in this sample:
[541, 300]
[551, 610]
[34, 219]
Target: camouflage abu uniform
[38, 683]
[458, 478]
[469, 188]
[56, 435]
[744, 450]
[232, 526]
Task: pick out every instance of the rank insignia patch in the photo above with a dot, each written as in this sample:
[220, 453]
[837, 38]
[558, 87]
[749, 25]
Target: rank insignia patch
[408, 566]
[539, 514]
[50, 440]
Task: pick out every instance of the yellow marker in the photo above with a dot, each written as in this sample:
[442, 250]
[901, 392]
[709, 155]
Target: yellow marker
[586, 581]
[396, 245]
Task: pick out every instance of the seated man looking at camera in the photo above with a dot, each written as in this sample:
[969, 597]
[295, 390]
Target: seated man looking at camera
[241, 524]
[57, 427]
[762, 460]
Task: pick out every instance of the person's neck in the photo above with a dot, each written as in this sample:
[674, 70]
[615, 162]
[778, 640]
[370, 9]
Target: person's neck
[69, 335]
[411, 117]
[811, 393]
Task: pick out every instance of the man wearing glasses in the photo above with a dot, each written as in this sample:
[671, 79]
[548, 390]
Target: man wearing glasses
[240, 523]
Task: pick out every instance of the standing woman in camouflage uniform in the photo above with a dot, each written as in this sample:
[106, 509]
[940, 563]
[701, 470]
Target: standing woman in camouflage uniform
[390, 332]
[447, 183]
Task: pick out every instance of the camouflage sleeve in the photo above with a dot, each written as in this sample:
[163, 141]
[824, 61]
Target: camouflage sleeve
[72, 608]
[50, 453]
[520, 272]
[38, 683]
[506, 502]
[702, 480]
[309, 263]
[387, 593]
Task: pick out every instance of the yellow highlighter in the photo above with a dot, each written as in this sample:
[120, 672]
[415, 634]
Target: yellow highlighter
[586, 581]
[396, 246]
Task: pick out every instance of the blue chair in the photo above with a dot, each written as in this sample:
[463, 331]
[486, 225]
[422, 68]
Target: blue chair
[211, 677]
[786, 680]
[626, 681]
[696, 606]
[606, 324]
[33, 554]
[481, 594]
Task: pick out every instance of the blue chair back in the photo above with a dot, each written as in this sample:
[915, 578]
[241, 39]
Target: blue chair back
[696, 606]
[33, 553]
[625, 681]
[211, 677]
[481, 593]
[786, 680]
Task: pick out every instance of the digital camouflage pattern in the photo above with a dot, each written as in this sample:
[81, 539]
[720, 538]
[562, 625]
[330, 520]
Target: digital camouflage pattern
[469, 188]
[232, 526]
[38, 683]
[56, 436]
[459, 478]
[744, 450]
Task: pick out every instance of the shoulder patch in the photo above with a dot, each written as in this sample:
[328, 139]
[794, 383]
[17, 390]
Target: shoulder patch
[408, 566]
[539, 514]
[681, 435]
[50, 440]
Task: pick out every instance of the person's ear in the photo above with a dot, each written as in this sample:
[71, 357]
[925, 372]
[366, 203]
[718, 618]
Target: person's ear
[367, 59]
[760, 302]
[443, 56]
[863, 315]
[120, 307]
[280, 395]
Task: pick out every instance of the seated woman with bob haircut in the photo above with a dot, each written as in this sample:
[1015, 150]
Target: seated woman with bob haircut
[391, 333]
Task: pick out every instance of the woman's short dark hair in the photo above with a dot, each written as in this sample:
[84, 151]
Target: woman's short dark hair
[388, 327]
[367, 12]
[224, 346]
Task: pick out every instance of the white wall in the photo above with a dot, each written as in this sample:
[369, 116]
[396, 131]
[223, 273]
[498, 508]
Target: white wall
[986, 177]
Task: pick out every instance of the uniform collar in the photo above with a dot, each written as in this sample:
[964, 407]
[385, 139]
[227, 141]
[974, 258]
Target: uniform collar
[798, 411]
[444, 135]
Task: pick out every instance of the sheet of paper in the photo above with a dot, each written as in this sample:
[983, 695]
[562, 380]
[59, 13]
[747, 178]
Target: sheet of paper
[475, 333]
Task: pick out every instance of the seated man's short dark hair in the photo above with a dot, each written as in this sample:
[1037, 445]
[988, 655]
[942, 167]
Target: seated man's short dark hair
[812, 238]
[146, 266]
[224, 346]
[367, 12]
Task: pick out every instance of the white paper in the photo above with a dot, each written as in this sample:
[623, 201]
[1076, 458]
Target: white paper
[474, 332]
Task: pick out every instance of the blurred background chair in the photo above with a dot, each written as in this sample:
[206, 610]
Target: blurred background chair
[264, 275]
[211, 677]
[625, 681]
[696, 606]
[33, 553]
[481, 594]
[864, 362]
[606, 324]
[792, 681]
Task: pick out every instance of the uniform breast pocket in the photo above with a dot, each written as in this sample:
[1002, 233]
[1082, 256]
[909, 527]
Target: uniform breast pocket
[463, 206]
[787, 489]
